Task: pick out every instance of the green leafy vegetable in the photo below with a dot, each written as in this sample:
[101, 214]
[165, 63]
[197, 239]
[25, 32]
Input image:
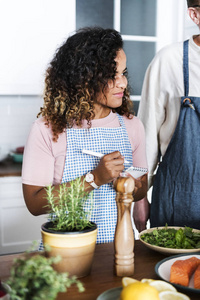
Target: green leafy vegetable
[183, 238]
[34, 278]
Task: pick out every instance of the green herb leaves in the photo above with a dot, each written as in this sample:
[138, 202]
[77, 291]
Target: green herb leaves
[68, 210]
[183, 238]
[33, 277]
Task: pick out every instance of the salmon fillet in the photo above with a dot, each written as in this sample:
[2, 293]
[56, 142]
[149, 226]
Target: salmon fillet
[182, 270]
[197, 278]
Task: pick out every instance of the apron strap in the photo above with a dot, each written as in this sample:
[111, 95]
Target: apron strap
[121, 120]
[186, 67]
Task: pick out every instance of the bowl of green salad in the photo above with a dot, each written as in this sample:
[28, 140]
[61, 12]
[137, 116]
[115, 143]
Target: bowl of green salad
[171, 239]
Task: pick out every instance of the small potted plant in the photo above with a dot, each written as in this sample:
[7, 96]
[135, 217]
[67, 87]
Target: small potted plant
[69, 232]
[33, 277]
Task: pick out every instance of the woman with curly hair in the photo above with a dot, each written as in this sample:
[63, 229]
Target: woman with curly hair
[86, 106]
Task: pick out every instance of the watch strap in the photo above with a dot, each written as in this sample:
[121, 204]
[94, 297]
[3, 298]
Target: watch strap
[94, 185]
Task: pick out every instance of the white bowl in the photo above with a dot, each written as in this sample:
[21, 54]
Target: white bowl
[167, 250]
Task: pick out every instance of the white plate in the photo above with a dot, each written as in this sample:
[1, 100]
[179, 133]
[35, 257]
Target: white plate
[168, 250]
[112, 294]
[162, 269]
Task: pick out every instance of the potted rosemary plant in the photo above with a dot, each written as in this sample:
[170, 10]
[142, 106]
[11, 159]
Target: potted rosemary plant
[69, 232]
[33, 277]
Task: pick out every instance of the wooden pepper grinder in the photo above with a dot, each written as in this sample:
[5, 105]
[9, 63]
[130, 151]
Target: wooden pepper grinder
[124, 234]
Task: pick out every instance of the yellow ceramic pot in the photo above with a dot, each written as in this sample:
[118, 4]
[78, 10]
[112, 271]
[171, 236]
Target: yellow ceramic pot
[75, 248]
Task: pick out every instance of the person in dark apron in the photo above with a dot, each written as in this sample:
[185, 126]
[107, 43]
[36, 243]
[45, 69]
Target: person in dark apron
[176, 187]
[172, 124]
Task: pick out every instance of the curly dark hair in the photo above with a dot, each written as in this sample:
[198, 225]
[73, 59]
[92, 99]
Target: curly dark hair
[80, 69]
[191, 3]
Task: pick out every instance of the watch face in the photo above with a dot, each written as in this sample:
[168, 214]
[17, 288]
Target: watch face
[89, 177]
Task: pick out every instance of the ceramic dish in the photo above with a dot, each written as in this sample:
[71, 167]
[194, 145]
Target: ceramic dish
[167, 250]
[162, 269]
[112, 294]
[17, 157]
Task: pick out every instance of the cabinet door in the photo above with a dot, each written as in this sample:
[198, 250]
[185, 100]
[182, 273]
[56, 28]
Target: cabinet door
[18, 228]
[30, 33]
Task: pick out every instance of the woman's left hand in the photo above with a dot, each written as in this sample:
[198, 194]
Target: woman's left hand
[141, 212]
[141, 186]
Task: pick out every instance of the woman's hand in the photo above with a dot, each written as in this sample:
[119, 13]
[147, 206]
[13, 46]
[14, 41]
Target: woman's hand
[141, 213]
[141, 186]
[109, 168]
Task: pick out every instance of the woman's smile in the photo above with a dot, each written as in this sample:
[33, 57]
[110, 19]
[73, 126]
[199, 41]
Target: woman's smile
[119, 95]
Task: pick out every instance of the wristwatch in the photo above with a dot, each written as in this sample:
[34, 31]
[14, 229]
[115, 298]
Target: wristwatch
[90, 179]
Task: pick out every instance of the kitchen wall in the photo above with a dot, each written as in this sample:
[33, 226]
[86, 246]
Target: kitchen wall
[16, 116]
[32, 30]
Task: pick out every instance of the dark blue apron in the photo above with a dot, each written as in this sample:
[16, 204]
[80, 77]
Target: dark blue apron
[176, 188]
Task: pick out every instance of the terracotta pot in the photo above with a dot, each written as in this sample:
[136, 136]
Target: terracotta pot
[76, 249]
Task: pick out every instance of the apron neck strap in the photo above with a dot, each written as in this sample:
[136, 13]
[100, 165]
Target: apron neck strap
[186, 67]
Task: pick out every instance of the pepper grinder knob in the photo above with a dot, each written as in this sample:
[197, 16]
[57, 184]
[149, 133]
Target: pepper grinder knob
[124, 234]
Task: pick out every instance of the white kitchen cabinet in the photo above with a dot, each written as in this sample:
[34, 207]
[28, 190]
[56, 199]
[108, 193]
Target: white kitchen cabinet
[18, 228]
[31, 31]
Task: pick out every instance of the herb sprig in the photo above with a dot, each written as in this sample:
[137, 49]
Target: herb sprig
[68, 210]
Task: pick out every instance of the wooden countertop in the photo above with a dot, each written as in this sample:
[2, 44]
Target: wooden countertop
[10, 168]
[102, 276]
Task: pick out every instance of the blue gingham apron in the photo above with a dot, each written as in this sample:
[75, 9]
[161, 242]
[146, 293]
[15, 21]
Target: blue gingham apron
[103, 140]
[176, 188]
